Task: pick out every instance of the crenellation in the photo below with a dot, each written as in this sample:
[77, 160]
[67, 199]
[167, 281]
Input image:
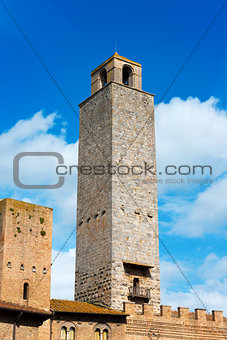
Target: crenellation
[217, 317]
[183, 313]
[148, 310]
[166, 311]
[129, 308]
[199, 317]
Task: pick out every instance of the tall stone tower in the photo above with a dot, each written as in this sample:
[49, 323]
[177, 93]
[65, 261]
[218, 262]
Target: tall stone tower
[25, 253]
[117, 254]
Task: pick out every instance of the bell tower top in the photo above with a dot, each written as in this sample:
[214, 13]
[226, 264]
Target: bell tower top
[119, 70]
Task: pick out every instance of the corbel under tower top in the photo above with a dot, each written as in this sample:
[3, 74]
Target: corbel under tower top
[119, 70]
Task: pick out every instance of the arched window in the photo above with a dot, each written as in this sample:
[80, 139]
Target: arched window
[127, 76]
[102, 332]
[71, 333]
[97, 334]
[105, 335]
[26, 291]
[103, 76]
[63, 333]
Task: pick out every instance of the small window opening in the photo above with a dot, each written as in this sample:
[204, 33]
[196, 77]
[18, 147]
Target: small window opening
[34, 269]
[105, 334]
[103, 76]
[88, 220]
[97, 334]
[26, 291]
[96, 216]
[9, 265]
[63, 333]
[103, 212]
[21, 266]
[72, 333]
[136, 283]
[126, 76]
[44, 270]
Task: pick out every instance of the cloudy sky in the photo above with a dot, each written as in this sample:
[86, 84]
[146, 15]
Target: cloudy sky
[191, 124]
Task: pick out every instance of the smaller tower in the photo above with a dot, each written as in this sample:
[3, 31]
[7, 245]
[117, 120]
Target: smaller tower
[25, 253]
[117, 69]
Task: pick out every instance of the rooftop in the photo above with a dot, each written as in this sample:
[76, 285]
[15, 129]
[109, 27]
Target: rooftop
[69, 306]
[15, 307]
[117, 56]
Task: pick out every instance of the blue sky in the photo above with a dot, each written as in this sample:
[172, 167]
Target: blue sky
[72, 39]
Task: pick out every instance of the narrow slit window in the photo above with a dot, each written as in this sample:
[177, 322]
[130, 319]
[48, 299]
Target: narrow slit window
[136, 283]
[26, 291]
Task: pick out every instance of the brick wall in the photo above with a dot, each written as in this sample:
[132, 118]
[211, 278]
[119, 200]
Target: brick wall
[169, 324]
[25, 252]
[85, 329]
[22, 332]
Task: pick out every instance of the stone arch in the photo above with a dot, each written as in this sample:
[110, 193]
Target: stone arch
[102, 327]
[127, 75]
[103, 77]
[67, 325]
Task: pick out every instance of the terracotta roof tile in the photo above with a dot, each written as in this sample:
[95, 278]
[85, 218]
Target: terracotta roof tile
[68, 306]
[13, 306]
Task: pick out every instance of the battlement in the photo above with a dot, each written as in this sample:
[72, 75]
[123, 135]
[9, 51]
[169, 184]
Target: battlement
[181, 316]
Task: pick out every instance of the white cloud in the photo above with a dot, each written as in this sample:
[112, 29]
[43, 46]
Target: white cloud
[214, 267]
[212, 291]
[191, 132]
[206, 214]
[212, 298]
[34, 134]
[63, 275]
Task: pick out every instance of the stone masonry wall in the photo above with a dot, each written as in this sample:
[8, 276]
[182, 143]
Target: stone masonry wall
[110, 226]
[134, 197]
[93, 246]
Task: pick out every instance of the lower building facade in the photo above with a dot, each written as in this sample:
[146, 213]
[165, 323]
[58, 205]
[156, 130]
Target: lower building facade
[74, 320]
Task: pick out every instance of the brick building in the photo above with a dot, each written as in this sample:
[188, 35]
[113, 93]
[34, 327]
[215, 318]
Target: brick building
[117, 287]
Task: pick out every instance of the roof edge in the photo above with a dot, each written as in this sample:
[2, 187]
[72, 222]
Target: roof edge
[117, 56]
